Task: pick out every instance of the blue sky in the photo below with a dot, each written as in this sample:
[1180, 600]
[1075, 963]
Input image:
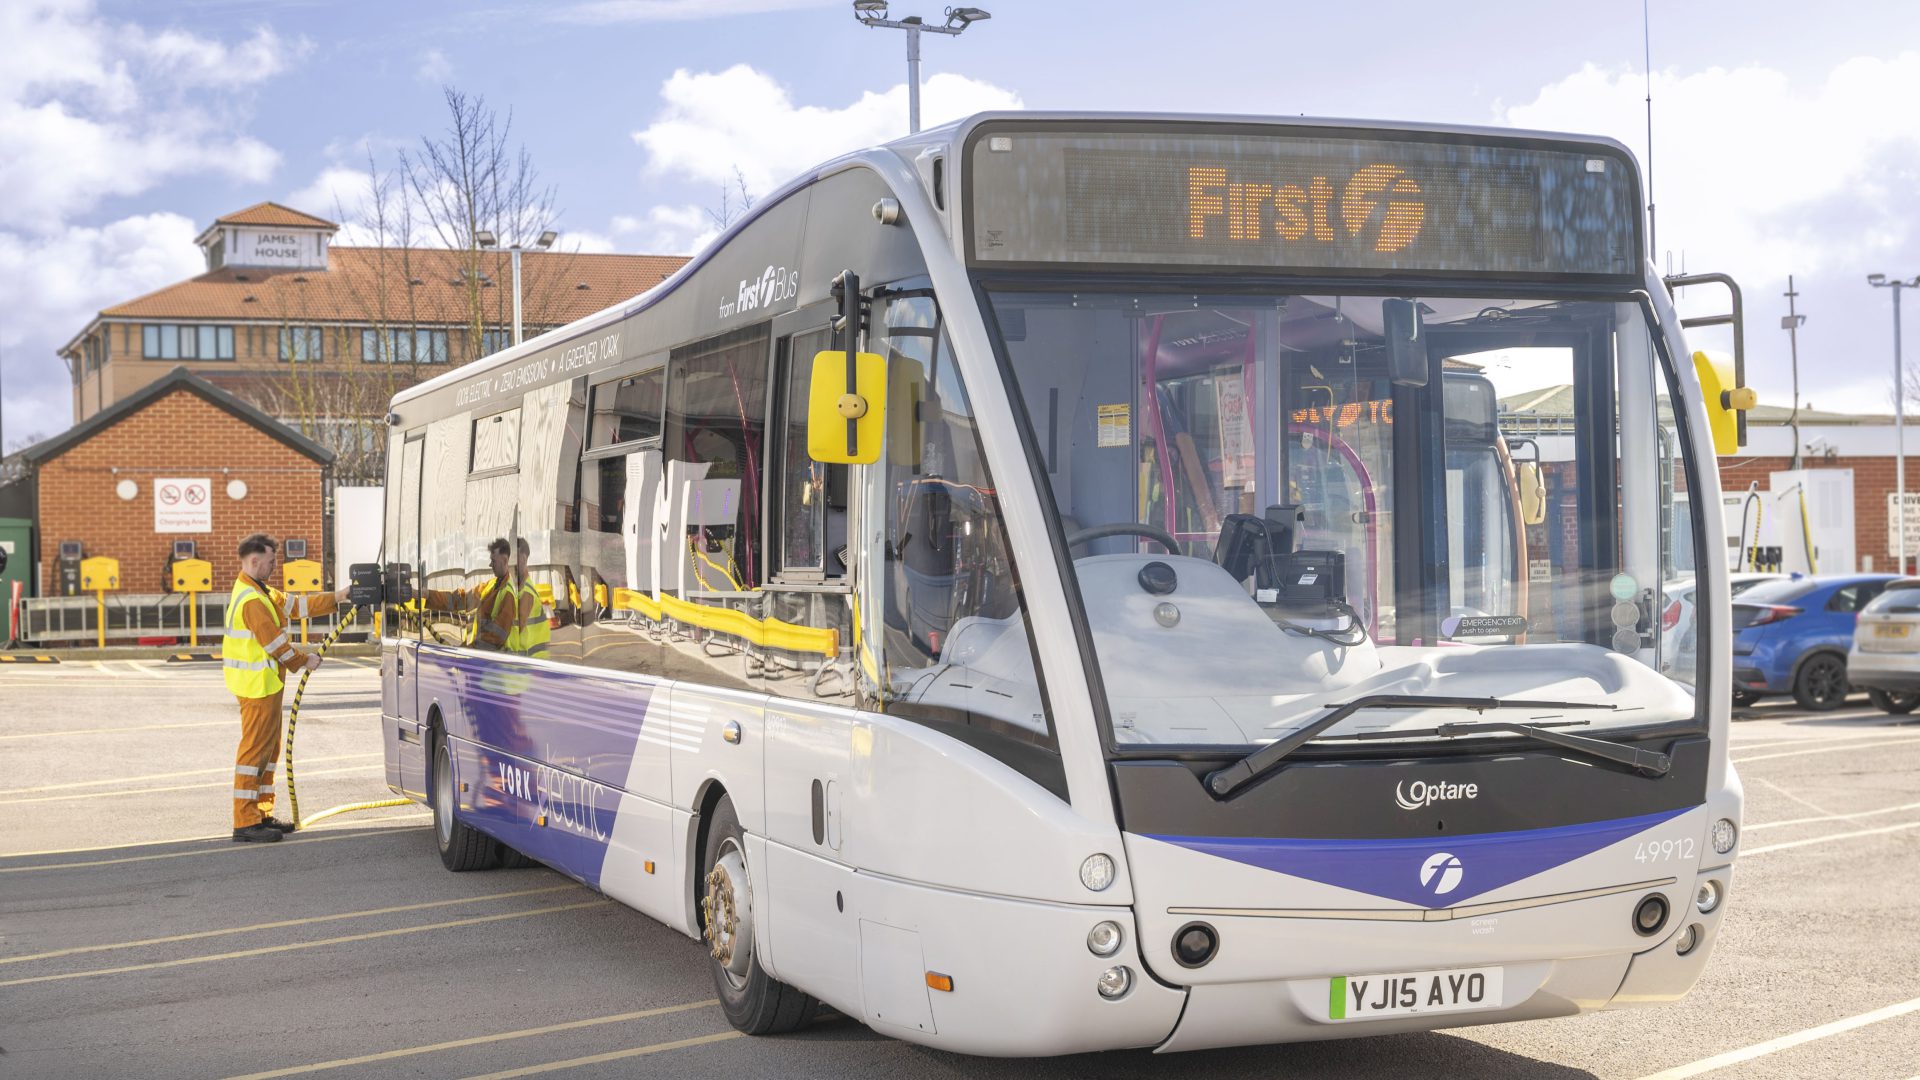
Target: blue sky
[1787, 136]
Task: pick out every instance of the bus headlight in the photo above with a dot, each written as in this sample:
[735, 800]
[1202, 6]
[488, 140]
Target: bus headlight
[1104, 939]
[1707, 896]
[1115, 982]
[1724, 835]
[1687, 939]
[1097, 872]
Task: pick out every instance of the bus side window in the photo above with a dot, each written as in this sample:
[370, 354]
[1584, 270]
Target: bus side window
[714, 444]
[810, 512]
[956, 650]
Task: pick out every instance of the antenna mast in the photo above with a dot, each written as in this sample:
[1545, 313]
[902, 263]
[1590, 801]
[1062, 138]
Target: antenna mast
[1646, 42]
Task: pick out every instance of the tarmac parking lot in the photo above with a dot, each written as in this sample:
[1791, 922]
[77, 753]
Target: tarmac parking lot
[137, 940]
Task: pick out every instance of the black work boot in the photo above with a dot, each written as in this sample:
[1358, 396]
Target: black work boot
[277, 825]
[262, 833]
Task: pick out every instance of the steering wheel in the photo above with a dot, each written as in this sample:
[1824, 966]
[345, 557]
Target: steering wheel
[1125, 528]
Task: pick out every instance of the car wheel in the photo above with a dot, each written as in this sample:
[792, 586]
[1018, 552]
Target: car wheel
[1896, 704]
[1821, 685]
[754, 1001]
[462, 847]
[1744, 698]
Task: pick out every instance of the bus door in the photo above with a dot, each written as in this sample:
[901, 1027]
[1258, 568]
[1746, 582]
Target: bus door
[399, 658]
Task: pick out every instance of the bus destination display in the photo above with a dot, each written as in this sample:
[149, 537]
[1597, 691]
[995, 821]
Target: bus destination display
[1309, 201]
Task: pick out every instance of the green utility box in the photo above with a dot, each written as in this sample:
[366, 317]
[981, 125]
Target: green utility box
[16, 539]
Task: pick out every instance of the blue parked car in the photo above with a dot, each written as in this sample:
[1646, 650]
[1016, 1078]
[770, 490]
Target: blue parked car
[1792, 636]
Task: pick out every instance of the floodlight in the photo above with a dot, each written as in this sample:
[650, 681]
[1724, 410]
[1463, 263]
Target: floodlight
[876, 8]
[484, 238]
[546, 239]
[966, 15]
[1876, 279]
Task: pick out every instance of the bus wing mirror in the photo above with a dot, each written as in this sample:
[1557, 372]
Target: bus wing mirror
[845, 423]
[1533, 493]
[1724, 401]
[1406, 334]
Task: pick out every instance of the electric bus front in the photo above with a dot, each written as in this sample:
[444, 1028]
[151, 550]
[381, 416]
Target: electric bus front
[1382, 700]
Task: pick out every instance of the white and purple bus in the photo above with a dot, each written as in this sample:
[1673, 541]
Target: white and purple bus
[1061, 582]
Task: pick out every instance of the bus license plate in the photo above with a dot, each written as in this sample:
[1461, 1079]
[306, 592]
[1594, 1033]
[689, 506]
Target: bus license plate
[1892, 630]
[1367, 997]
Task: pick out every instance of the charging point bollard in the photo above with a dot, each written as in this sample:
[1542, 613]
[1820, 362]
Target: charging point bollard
[300, 577]
[193, 577]
[98, 574]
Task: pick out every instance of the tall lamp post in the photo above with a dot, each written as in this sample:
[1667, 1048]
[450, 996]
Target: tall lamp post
[1879, 281]
[874, 13]
[486, 239]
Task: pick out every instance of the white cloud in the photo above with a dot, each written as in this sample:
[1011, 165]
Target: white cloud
[93, 108]
[1759, 174]
[667, 230]
[716, 122]
[435, 69]
[591, 243]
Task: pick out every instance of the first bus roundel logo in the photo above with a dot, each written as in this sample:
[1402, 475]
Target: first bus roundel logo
[1441, 872]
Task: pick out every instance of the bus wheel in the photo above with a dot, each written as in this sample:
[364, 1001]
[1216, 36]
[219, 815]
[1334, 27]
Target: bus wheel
[461, 846]
[1895, 704]
[754, 1001]
[1822, 684]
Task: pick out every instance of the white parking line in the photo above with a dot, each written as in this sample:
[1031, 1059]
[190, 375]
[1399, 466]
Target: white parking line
[1751, 852]
[1817, 740]
[117, 793]
[1859, 744]
[220, 771]
[1784, 1042]
[1833, 817]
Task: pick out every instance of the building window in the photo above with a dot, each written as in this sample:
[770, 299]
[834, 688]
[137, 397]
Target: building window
[300, 344]
[492, 341]
[170, 341]
[403, 346]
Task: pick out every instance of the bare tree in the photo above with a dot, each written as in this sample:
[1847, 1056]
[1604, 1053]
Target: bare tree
[735, 200]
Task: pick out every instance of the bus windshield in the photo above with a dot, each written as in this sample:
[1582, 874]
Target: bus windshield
[1275, 502]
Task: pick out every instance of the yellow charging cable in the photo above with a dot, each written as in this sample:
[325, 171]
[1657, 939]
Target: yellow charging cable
[293, 722]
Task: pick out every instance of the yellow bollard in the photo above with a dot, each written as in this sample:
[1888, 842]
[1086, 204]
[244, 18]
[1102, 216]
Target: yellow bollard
[193, 577]
[300, 577]
[100, 573]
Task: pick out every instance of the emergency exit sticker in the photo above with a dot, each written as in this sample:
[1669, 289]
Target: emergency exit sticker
[1116, 425]
[183, 506]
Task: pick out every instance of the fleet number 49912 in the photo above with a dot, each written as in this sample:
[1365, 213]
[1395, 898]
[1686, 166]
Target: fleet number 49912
[1652, 851]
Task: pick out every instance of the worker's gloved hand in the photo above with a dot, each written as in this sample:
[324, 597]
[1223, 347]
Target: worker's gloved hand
[313, 662]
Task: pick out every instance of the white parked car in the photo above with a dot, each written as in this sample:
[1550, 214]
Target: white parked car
[1677, 622]
[1885, 658]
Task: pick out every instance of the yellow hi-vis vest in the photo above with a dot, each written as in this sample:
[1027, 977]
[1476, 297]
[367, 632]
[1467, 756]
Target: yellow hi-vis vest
[534, 629]
[251, 673]
[487, 614]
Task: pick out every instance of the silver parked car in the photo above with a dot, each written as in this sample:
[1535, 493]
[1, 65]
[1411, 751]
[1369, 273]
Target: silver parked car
[1885, 658]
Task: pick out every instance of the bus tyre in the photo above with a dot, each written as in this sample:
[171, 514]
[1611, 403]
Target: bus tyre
[513, 860]
[1821, 685]
[461, 846]
[754, 1001]
[1896, 704]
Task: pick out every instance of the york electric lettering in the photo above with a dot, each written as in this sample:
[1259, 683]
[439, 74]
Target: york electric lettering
[565, 800]
[1379, 203]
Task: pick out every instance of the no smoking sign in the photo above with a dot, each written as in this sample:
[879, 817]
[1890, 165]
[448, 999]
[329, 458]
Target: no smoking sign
[182, 506]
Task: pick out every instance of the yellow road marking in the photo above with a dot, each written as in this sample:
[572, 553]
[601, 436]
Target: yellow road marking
[1750, 852]
[1857, 744]
[284, 923]
[268, 950]
[179, 787]
[612, 1055]
[1834, 817]
[229, 849]
[121, 730]
[1745, 1054]
[477, 1040]
[157, 843]
[227, 771]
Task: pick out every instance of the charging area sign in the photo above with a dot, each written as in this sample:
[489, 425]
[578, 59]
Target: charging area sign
[182, 506]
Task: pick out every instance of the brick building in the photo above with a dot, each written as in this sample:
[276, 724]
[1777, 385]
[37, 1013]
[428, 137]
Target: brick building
[322, 336]
[105, 483]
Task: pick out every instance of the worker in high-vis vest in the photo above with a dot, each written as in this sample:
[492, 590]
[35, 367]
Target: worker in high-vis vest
[258, 654]
[534, 629]
[495, 603]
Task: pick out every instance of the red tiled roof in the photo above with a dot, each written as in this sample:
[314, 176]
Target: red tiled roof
[401, 286]
[272, 213]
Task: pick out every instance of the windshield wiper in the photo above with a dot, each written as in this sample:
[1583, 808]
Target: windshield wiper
[1225, 781]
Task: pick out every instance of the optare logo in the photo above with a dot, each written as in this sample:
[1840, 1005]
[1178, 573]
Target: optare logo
[1420, 793]
[1441, 873]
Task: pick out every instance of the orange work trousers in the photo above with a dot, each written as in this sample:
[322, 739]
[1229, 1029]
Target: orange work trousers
[256, 760]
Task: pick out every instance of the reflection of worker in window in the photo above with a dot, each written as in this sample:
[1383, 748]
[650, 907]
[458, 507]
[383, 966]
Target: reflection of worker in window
[493, 602]
[533, 631]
